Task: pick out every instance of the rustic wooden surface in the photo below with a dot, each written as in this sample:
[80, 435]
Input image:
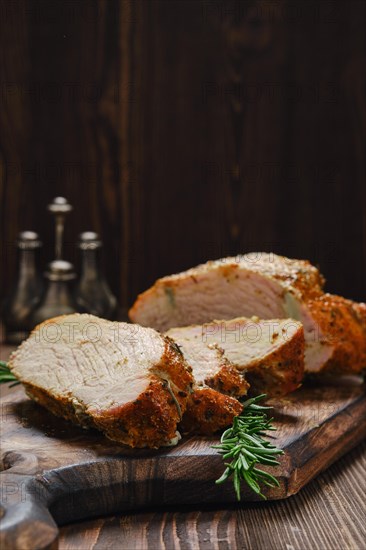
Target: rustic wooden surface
[48, 464]
[184, 130]
[327, 514]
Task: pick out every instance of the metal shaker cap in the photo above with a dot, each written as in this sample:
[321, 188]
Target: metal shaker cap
[28, 240]
[60, 270]
[89, 240]
[59, 206]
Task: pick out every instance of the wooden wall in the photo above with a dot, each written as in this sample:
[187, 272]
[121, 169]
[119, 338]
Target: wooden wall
[184, 130]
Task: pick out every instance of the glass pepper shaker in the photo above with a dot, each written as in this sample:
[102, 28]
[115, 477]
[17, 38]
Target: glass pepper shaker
[27, 290]
[92, 292]
[58, 298]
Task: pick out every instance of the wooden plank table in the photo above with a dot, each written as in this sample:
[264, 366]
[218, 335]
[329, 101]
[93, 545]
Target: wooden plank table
[329, 513]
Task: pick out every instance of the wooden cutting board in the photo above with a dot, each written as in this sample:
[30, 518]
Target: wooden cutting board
[54, 473]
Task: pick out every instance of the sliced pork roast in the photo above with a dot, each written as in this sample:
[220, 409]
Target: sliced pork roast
[127, 381]
[206, 358]
[212, 405]
[270, 287]
[270, 354]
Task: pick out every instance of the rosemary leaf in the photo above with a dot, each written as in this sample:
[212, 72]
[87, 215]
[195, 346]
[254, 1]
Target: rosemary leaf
[6, 375]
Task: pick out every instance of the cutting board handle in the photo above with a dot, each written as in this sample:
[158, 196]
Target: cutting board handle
[26, 523]
[26, 527]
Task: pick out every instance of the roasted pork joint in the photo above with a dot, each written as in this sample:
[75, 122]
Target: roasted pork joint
[254, 284]
[127, 381]
[270, 287]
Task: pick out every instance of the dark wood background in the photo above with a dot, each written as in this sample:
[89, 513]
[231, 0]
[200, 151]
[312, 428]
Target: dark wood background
[184, 130]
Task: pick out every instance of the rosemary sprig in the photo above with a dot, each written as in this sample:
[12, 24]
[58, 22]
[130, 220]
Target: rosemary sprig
[6, 375]
[244, 444]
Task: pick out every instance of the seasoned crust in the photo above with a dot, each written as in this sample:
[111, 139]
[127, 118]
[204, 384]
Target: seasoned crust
[150, 421]
[299, 275]
[282, 371]
[228, 380]
[180, 373]
[209, 411]
[341, 324]
[59, 406]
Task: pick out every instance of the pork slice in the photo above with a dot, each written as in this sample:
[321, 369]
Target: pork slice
[217, 383]
[209, 365]
[270, 353]
[128, 381]
[261, 284]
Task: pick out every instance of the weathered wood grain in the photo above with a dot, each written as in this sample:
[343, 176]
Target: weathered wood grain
[50, 466]
[185, 130]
